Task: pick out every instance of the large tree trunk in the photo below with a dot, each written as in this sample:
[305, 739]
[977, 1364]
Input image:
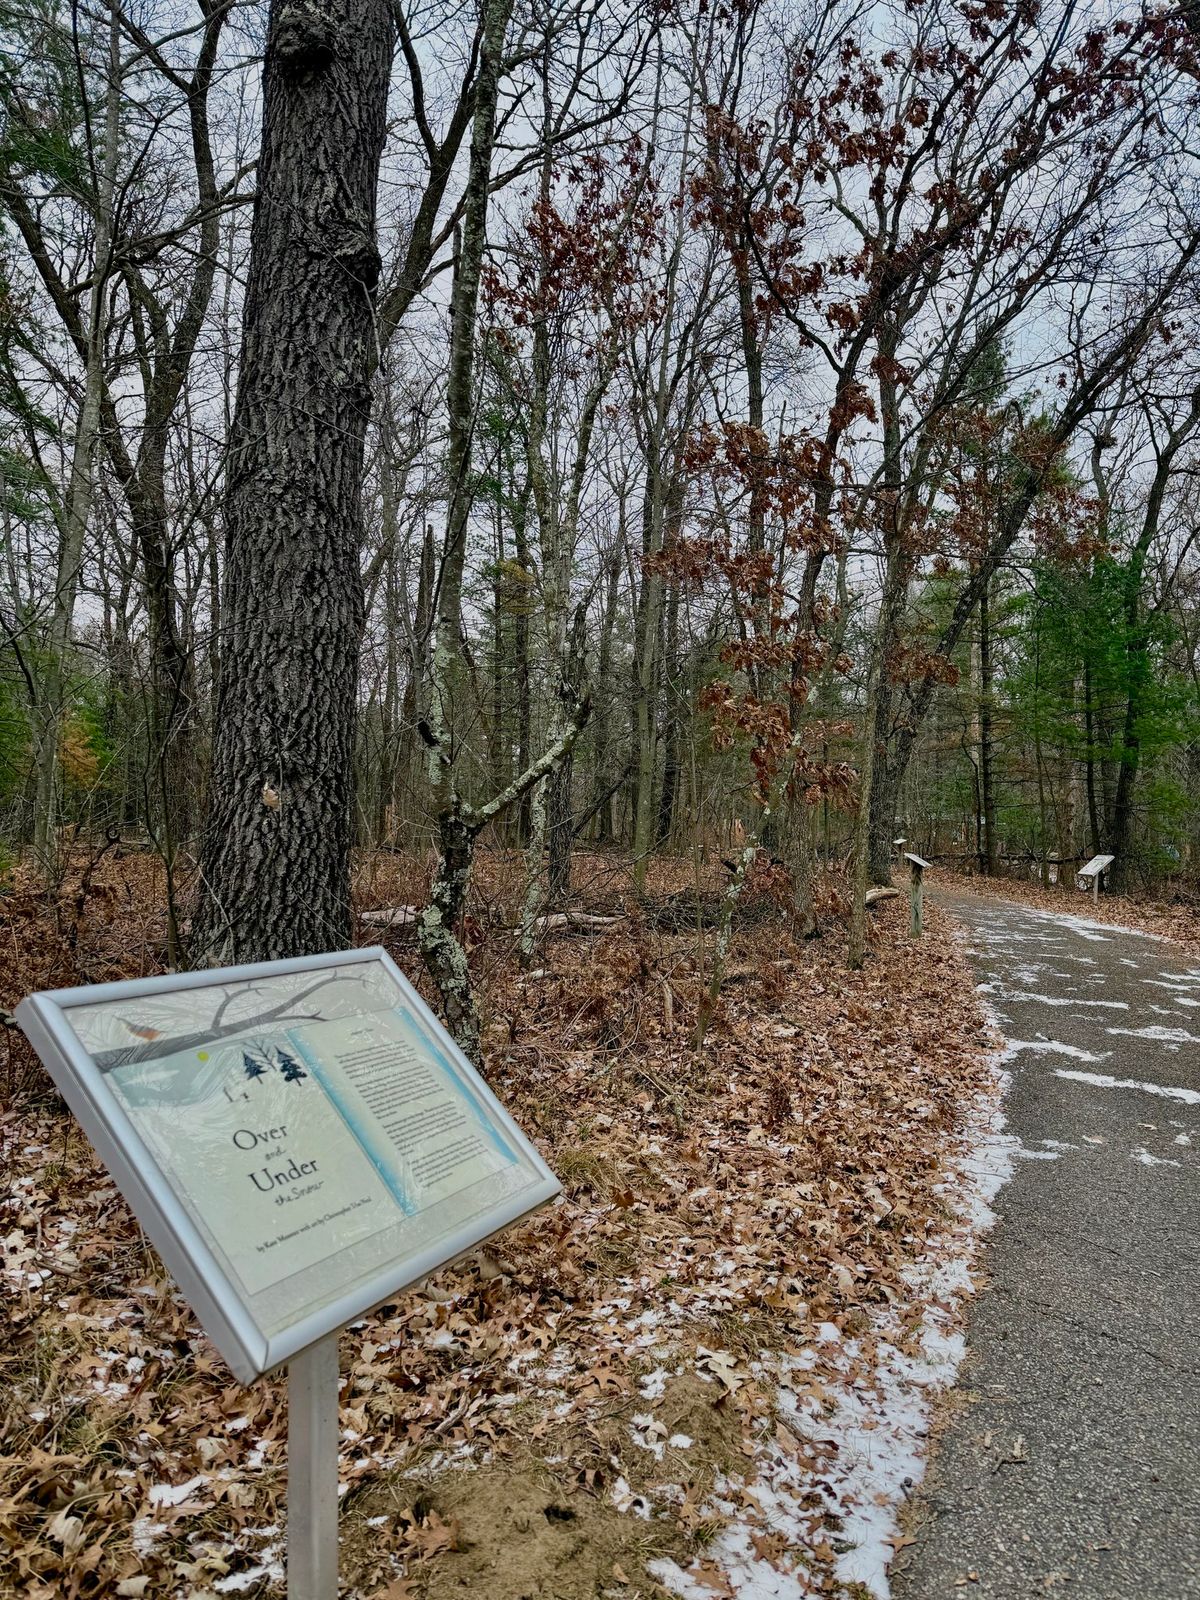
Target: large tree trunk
[885, 795]
[878, 787]
[276, 865]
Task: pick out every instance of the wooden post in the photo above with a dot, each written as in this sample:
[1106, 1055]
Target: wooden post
[917, 919]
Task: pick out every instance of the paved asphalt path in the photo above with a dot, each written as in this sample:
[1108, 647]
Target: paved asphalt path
[1070, 1460]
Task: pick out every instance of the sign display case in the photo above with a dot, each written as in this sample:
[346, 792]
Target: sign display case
[299, 1139]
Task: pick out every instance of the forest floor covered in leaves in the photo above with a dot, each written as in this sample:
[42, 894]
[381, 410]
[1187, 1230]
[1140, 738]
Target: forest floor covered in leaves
[706, 1370]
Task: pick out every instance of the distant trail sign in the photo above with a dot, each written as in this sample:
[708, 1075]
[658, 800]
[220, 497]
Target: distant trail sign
[917, 866]
[299, 1139]
[1093, 871]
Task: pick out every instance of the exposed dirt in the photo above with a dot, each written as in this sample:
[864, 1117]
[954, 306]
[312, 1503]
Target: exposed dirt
[527, 1527]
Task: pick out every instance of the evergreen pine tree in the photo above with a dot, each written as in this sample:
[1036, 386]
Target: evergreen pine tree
[290, 1067]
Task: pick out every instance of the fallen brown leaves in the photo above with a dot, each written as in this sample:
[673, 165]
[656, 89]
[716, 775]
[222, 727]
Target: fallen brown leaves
[603, 1357]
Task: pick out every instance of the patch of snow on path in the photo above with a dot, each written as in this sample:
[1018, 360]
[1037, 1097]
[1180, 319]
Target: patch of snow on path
[1048, 1047]
[1171, 1037]
[1147, 1160]
[1101, 1080]
[1086, 928]
[1048, 999]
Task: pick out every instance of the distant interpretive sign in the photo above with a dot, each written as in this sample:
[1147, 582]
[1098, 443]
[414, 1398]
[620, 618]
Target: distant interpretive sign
[300, 1139]
[1096, 866]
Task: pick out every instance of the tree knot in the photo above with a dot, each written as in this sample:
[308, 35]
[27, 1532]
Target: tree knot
[304, 40]
[358, 255]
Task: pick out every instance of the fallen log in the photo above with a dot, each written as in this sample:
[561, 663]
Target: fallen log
[392, 917]
[575, 919]
[874, 896]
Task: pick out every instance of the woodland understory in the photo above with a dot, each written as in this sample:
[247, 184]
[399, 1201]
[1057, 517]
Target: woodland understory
[573, 492]
[690, 1360]
[716, 429]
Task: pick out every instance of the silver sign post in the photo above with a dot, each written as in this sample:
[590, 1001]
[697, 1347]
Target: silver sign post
[312, 1524]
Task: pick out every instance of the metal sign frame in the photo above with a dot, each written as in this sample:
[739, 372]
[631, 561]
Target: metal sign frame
[184, 1251]
[1096, 866]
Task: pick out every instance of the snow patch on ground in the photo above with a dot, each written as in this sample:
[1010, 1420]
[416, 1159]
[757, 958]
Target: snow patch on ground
[1171, 1037]
[1048, 1047]
[1001, 993]
[1086, 928]
[174, 1494]
[870, 1428]
[250, 1578]
[1147, 1160]
[1102, 1080]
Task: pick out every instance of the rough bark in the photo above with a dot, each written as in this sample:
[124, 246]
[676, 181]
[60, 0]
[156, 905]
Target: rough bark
[877, 801]
[602, 786]
[876, 783]
[990, 862]
[276, 862]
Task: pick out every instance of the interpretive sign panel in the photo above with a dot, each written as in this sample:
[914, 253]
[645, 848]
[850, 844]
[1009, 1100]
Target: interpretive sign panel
[1096, 866]
[300, 1139]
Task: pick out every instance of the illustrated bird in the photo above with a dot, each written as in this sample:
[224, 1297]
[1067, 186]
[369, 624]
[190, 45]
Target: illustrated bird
[139, 1031]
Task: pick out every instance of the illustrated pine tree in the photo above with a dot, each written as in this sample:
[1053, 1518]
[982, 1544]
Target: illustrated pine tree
[254, 1067]
[290, 1068]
